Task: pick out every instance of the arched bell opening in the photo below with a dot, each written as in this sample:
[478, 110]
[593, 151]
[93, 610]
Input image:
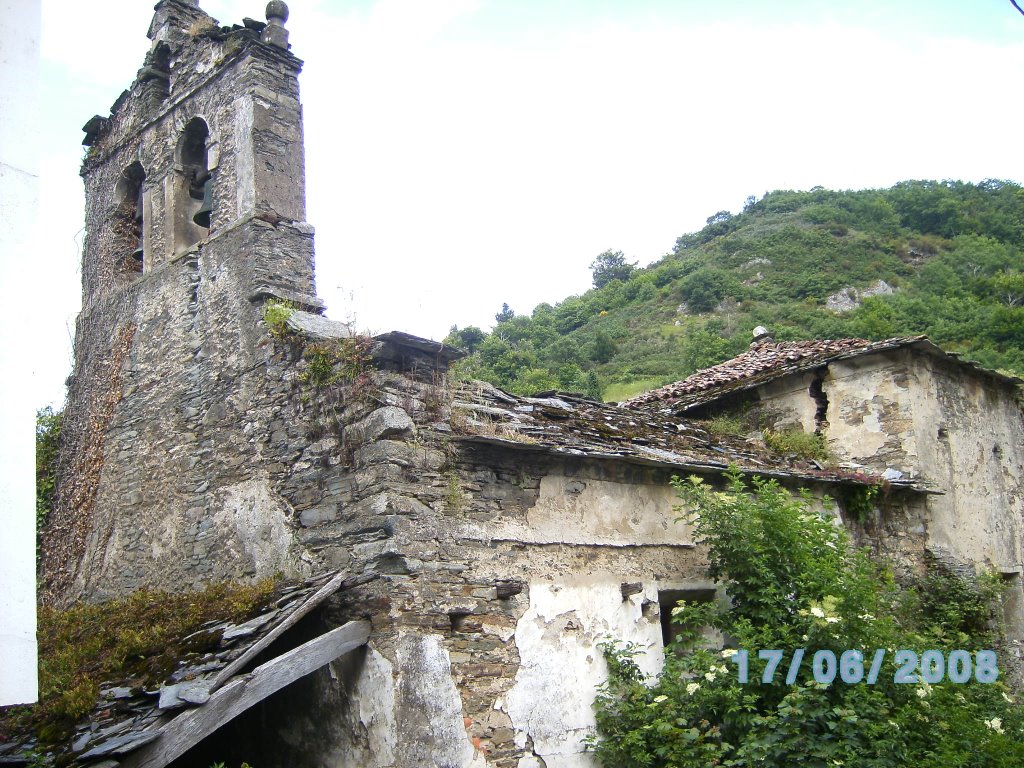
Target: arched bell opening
[162, 58]
[193, 186]
[128, 223]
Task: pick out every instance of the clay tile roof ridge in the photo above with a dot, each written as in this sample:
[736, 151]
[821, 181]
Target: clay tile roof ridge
[764, 358]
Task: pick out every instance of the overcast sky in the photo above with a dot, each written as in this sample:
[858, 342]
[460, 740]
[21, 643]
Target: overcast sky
[465, 153]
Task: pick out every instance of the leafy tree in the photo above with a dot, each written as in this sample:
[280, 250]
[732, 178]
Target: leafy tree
[468, 338]
[503, 360]
[564, 349]
[718, 224]
[703, 348]
[609, 266]
[505, 315]
[603, 349]
[704, 288]
[796, 582]
[1008, 287]
[593, 386]
[533, 380]
[571, 314]
[516, 329]
[571, 378]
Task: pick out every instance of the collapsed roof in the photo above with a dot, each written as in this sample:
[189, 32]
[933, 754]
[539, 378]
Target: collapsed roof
[132, 727]
[572, 425]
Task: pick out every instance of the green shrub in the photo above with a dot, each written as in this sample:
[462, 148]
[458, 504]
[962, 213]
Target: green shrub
[48, 424]
[339, 361]
[795, 581]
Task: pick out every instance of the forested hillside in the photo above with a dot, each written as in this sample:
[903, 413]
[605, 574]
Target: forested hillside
[951, 252]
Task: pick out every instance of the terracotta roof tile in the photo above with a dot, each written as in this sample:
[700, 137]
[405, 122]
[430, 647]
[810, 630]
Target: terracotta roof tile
[763, 362]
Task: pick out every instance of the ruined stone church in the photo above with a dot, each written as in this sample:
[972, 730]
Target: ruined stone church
[458, 551]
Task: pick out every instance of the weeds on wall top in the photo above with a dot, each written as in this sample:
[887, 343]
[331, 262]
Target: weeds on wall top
[275, 314]
[805, 445]
[339, 361]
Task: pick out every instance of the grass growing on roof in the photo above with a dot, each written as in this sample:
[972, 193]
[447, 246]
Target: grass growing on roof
[136, 639]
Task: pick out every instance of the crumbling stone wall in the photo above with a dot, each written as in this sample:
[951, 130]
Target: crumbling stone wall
[931, 419]
[948, 425]
[204, 445]
[467, 587]
[488, 611]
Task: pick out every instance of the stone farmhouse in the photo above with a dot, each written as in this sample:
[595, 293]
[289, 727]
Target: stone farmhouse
[457, 551]
[901, 408]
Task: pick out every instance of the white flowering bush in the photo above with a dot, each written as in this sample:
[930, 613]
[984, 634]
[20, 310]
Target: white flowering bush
[795, 582]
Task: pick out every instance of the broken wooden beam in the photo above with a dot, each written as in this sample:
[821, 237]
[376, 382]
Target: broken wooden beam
[190, 727]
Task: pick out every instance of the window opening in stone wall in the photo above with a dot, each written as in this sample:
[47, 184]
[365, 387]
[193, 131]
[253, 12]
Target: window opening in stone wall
[161, 59]
[1013, 603]
[817, 393]
[669, 598]
[128, 219]
[155, 77]
[194, 193]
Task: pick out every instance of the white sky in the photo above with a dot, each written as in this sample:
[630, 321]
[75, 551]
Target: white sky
[465, 153]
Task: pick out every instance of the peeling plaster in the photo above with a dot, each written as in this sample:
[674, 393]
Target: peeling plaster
[374, 714]
[936, 421]
[258, 521]
[560, 668]
[573, 511]
[431, 729]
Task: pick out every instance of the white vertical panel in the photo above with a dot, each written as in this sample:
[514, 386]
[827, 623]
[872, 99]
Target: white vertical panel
[24, 291]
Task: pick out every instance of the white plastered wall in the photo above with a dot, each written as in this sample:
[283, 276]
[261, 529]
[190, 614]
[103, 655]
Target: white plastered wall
[561, 666]
[20, 265]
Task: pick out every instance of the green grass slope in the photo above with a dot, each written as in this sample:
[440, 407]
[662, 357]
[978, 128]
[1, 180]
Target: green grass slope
[953, 253]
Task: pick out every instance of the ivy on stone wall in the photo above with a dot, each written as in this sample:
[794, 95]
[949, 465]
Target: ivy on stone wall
[48, 424]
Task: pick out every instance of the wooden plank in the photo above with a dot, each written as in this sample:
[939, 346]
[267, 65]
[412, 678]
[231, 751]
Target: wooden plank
[192, 726]
[328, 589]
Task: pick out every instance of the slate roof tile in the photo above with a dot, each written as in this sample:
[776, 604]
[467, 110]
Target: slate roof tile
[572, 425]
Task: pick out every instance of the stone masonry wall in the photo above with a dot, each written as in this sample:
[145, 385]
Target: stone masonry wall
[202, 446]
[247, 94]
[169, 390]
[465, 589]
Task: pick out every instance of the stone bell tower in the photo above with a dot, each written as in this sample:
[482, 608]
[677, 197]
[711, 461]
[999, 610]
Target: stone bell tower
[195, 209]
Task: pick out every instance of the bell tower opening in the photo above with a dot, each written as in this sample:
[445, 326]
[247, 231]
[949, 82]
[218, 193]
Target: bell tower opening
[194, 186]
[129, 218]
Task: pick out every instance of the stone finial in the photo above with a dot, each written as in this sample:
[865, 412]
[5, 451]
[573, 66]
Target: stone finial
[275, 33]
[277, 11]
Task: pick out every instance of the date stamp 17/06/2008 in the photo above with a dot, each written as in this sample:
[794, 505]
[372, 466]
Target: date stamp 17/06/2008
[853, 666]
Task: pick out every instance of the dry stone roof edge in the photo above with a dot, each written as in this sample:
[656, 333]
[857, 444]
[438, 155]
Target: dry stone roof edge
[825, 477]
